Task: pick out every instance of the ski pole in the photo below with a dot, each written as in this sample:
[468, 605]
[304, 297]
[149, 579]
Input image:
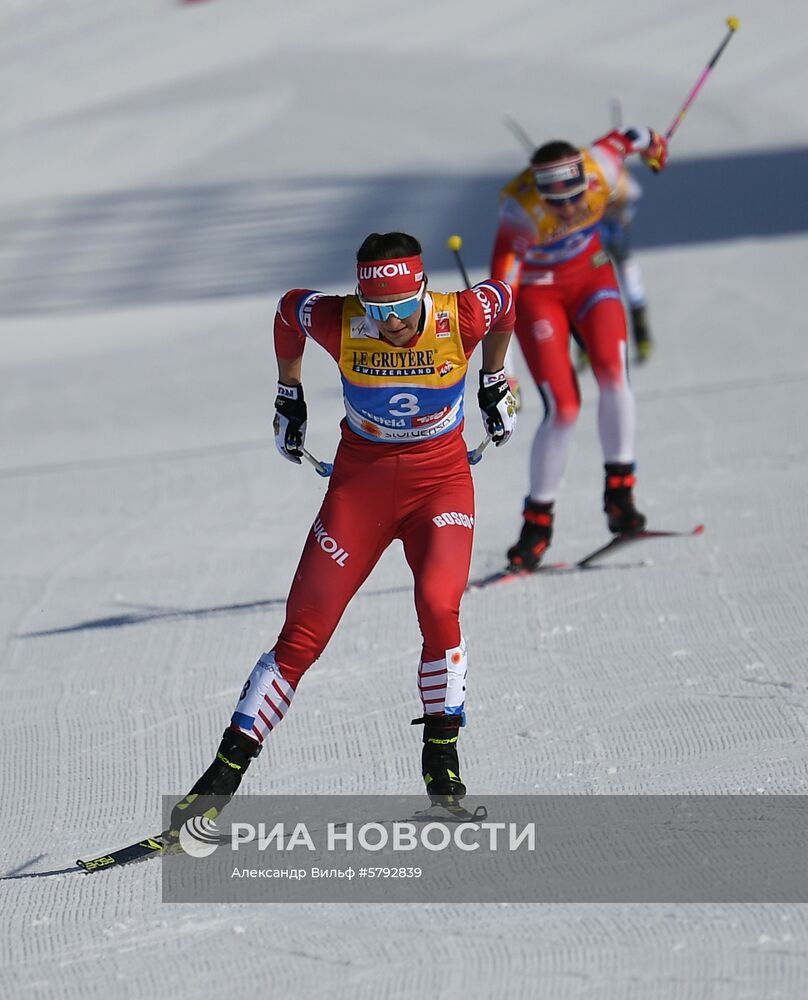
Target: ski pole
[733, 24]
[323, 469]
[455, 243]
[520, 134]
[477, 453]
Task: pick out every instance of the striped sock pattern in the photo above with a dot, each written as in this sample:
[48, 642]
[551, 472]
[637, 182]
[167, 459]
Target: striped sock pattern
[264, 701]
[442, 683]
[432, 686]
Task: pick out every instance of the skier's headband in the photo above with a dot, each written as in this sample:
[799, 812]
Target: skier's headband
[561, 180]
[401, 276]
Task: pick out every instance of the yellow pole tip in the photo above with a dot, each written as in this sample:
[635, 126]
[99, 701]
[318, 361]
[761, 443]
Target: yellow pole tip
[455, 243]
[733, 23]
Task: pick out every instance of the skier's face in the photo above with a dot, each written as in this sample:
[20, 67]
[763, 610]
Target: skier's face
[398, 330]
[565, 210]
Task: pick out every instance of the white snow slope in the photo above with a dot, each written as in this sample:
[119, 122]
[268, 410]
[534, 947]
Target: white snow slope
[168, 170]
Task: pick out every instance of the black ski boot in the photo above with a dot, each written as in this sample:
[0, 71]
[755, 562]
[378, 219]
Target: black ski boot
[642, 333]
[439, 764]
[535, 536]
[218, 784]
[618, 499]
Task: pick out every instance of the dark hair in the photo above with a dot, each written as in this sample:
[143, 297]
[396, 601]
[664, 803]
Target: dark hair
[558, 149]
[388, 246]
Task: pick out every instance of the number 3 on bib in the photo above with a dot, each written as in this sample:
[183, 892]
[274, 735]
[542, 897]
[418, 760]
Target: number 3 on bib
[404, 404]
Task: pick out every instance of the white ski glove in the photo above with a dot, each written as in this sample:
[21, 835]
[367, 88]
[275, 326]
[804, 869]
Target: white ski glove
[290, 421]
[498, 405]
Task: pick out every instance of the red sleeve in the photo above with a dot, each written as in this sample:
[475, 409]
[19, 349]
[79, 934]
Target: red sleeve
[302, 313]
[513, 239]
[620, 143]
[487, 307]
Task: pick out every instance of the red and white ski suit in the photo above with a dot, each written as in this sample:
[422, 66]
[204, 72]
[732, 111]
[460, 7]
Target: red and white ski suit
[401, 472]
[563, 278]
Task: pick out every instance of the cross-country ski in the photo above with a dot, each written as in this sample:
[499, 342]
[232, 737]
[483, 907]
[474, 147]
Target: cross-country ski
[512, 573]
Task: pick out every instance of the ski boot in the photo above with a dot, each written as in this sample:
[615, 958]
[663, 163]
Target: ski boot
[218, 784]
[642, 334]
[535, 536]
[618, 499]
[439, 763]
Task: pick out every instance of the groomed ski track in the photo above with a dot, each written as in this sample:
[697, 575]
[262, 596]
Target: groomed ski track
[169, 169]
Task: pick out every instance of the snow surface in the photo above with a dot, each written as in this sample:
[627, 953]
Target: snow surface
[168, 170]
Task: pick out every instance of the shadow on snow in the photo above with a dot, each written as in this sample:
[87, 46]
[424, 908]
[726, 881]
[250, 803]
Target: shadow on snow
[157, 245]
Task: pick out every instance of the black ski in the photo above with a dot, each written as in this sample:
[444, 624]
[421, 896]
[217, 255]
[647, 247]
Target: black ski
[633, 536]
[451, 812]
[151, 847]
[511, 573]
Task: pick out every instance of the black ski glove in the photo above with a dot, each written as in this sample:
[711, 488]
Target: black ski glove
[290, 421]
[498, 405]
